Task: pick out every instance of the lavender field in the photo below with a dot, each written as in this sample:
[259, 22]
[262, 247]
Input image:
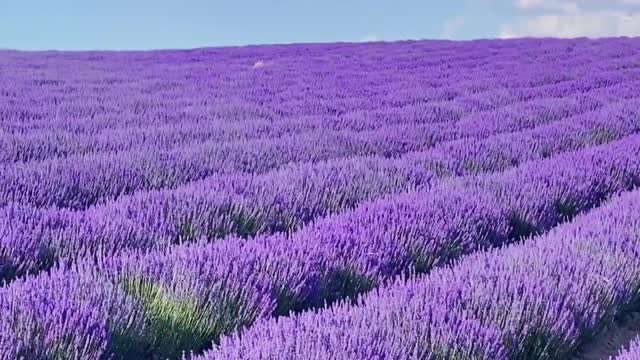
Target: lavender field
[415, 200]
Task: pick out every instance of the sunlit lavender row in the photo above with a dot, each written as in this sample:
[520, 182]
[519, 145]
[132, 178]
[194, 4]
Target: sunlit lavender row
[79, 182]
[536, 300]
[220, 287]
[282, 200]
[410, 200]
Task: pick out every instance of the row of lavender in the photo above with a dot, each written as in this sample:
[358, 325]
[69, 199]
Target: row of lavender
[145, 304]
[351, 253]
[39, 85]
[228, 119]
[40, 145]
[540, 299]
[78, 182]
[161, 303]
[183, 101]
[282, 200]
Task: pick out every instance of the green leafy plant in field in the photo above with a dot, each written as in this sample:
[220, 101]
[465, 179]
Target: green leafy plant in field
[174, 324]
[179, 321]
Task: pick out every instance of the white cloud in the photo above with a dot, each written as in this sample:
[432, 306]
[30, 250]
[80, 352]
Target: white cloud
[548, 5]
[573, 5]
[558, 18]
[528, 4]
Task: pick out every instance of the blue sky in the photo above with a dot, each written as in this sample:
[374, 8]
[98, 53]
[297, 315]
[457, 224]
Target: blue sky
[152, 24]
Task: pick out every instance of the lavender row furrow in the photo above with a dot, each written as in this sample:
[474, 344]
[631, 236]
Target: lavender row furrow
[408, 200]
[189, 85]
[283, 200]
[80, 182]
[537, 300]
[106, 91]
[219, 126]
[84, 107]
[354, 252]
[194, 293]
[41, 145]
